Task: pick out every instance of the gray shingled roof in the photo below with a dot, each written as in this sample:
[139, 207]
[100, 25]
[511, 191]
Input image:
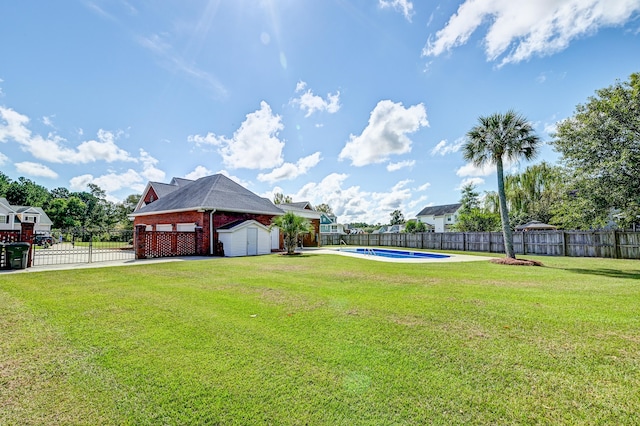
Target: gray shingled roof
[163, 189]
[211, 192]
[298, 205]
[440, 210]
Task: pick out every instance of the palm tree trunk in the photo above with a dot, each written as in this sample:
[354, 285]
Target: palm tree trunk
[504, 213]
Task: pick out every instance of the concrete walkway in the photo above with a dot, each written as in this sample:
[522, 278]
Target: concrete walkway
[86, 265]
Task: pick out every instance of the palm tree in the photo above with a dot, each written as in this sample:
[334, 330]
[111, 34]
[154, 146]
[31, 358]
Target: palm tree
[291, 225]
[495, 139]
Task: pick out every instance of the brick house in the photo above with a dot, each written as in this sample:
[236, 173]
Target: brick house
[220, 209]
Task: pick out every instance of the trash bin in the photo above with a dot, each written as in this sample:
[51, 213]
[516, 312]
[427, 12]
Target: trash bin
[17, 255]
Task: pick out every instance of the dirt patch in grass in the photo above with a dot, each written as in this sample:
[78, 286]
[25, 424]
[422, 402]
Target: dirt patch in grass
[516, 262]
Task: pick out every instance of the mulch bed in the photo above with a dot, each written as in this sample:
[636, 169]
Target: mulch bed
[517, 262]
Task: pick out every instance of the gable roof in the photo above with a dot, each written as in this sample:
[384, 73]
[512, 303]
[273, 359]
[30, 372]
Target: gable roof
[302, 208]
[5, 203]
[44, 219]
[304, 205]
[440, 210]
[216, 192]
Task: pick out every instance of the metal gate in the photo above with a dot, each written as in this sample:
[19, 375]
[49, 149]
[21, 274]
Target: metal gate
[81, 245]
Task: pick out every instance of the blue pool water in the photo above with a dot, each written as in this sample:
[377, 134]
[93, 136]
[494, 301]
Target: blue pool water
[397, 254]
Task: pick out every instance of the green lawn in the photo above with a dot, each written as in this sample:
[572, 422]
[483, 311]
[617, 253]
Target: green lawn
[322, 339]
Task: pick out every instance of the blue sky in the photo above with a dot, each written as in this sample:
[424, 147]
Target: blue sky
[360, 104]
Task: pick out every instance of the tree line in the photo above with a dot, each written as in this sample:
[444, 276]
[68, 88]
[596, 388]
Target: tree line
[66, 209]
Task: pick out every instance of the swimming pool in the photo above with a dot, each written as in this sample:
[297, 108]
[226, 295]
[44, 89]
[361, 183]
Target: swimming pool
[394, 254]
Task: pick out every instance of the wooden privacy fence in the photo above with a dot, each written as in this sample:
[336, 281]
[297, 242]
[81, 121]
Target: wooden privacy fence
[613, 244]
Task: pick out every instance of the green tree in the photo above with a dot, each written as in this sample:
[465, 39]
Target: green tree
[600, 145]
[25, 192]
[66, 212]
[470, 199]
[124, 209]
[4, 184]
[413, 226]
[279, 198]
[495, 139]
[397, 218]
[291, 225]
[471, 218]
[324, 208]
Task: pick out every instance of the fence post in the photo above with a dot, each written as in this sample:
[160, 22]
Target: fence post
[140, 241]
[564, 243]
[616, 245]
[200, 249]
[26, 235]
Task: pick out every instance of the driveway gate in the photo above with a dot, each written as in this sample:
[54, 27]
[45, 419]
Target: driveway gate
[81, 245]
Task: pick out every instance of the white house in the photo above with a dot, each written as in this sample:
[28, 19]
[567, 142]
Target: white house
[12, 216]
[441, 218]
[329, 224]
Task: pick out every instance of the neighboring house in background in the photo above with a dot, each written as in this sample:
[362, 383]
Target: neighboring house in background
[12, 216]
[441, 218]
[227, 212]
[329, 224]
[383, 229]
[305, 210]
[395, 229]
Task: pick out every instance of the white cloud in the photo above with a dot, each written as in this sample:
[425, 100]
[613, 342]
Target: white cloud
[311, 103]
[403, 6]
[551, 128]
[472, 180]
[386, 133]
[423, 187]
[444, 147]
[255, 145]
[417, 202]
[110, 182]
[470, 170]
[149, 169]
[519, 30]
[485, 170]
[236, 179]
[198, 172]
[3, 159]
[35, 169]
[351, 203]
[290, 170]
[393, 167]
[13, 126]
[48, 121]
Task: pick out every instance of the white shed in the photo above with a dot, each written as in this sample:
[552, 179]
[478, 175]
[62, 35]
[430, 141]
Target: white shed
[245, 238]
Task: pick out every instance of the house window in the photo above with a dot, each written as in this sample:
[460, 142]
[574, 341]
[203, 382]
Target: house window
[4, 218]
[164, 227]
[448, 218]
[186, 227]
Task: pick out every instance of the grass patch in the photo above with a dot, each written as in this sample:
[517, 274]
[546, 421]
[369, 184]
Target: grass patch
[323, 339]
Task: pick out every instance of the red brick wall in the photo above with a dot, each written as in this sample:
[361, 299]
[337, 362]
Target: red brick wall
[151, 194]
[201, 219]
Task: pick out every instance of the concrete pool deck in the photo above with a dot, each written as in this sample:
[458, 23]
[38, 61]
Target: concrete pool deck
[451, 258]
[333, 251]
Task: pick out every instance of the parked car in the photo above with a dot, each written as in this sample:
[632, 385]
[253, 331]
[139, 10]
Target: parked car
[43, 240]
